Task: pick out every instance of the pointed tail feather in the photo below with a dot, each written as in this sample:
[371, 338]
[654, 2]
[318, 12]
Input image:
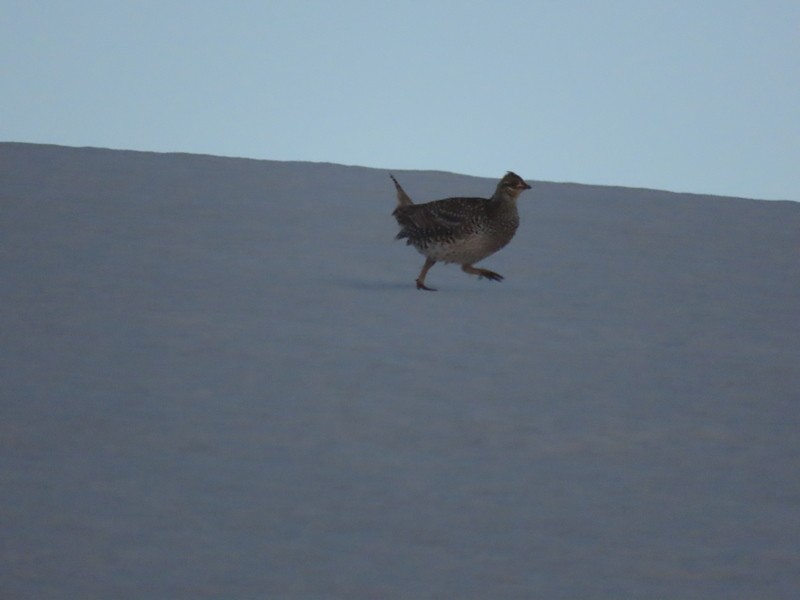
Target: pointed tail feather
[402, 198]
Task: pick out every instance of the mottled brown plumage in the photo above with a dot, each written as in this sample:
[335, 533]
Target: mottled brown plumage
[460, 230]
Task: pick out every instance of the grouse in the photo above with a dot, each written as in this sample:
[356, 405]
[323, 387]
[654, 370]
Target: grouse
[460, 230]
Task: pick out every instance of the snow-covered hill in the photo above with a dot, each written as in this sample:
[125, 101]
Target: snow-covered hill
[218, 381]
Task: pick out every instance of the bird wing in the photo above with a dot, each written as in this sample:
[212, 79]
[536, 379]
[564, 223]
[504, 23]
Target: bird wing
[446, 217]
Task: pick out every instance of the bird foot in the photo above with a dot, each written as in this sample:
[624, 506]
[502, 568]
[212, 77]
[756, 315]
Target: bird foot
[422, 286]
[487, 274]
[482, 273]
[490, 275]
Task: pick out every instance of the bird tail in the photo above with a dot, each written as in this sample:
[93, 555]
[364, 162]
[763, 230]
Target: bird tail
[402, 198]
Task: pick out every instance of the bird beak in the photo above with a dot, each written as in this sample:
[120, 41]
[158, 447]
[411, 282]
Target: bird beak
[525, 186]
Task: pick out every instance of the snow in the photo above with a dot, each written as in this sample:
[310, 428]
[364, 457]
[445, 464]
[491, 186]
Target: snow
[219, 381]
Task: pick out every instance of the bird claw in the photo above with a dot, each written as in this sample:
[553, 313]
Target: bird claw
[422, 286]
[491, 275]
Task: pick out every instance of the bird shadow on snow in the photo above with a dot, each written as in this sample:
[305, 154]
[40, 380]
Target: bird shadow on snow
[377, 285]
[374, 285]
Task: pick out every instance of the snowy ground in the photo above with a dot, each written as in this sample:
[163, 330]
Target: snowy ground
[218, 381]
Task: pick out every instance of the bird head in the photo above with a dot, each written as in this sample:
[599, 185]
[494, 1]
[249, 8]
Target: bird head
[512, 185]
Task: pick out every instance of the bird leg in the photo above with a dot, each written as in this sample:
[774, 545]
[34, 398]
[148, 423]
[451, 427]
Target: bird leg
[482, 273]
[429, 262]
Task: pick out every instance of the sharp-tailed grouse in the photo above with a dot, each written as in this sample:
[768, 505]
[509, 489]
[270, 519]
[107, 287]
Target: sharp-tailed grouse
[460, 230]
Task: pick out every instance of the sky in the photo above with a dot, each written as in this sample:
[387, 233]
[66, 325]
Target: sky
[687, 96]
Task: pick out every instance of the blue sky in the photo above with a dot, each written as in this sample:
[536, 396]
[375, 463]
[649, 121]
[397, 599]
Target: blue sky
[695, 96]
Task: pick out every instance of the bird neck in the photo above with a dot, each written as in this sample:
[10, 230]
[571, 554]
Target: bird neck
[503, 205]
[501, 196]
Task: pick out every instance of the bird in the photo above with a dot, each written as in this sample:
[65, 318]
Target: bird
[460, 230]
